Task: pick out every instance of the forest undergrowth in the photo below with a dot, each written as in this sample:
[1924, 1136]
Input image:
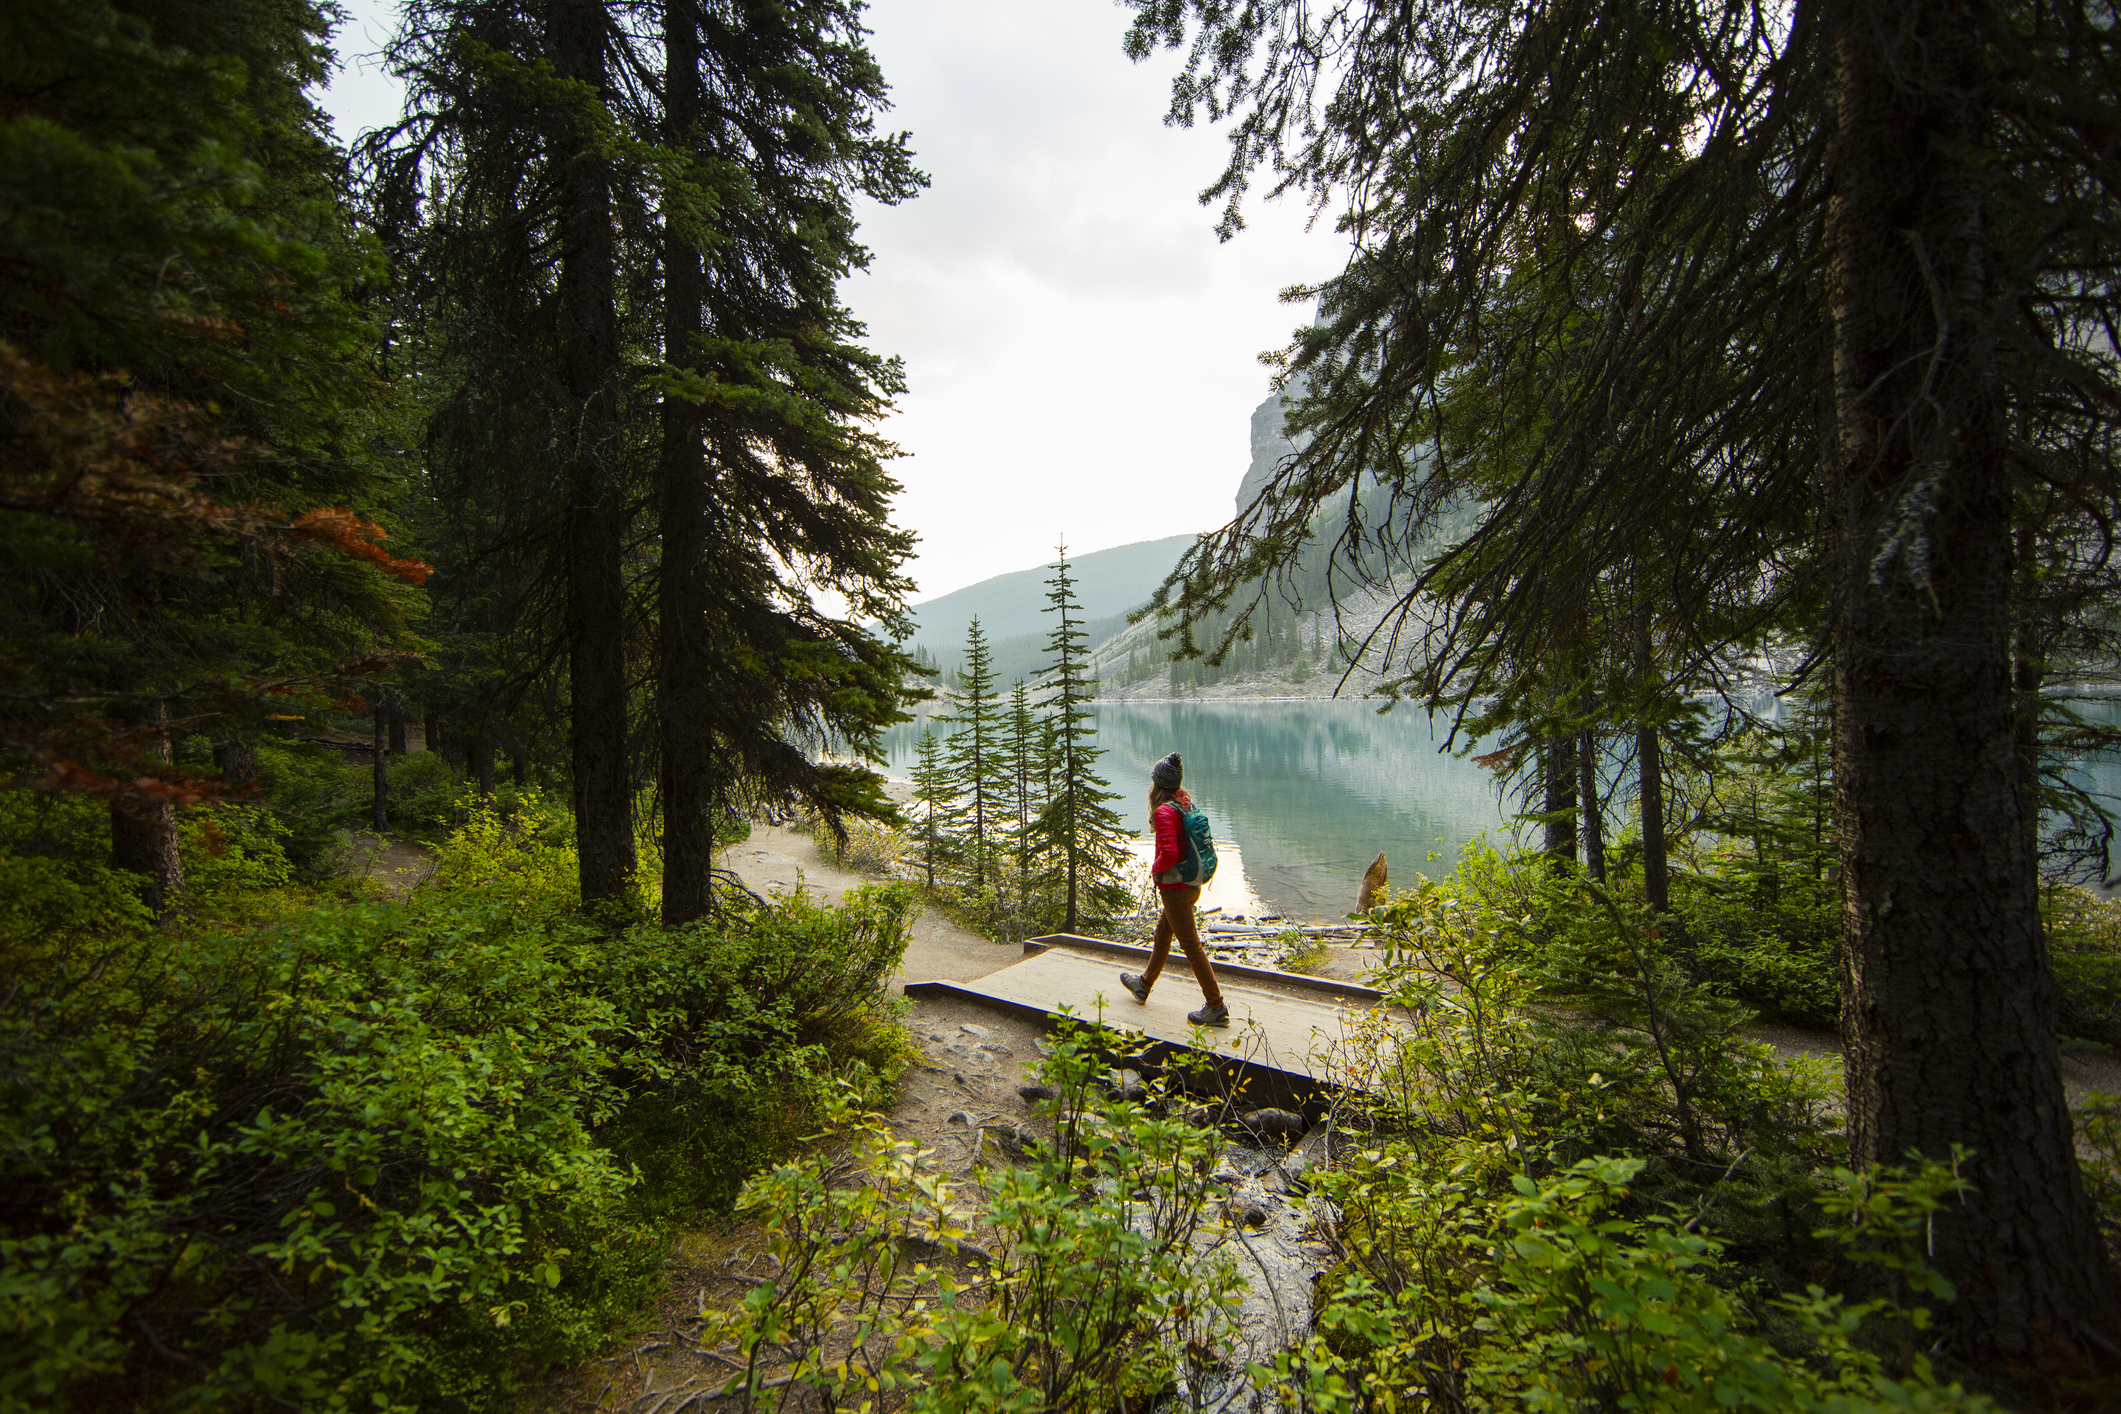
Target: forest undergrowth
[309, 1146]
[1618, 1203]
[1575, 1185]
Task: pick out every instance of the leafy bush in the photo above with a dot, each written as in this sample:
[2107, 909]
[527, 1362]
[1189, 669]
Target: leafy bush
[386, 1155]
[2099, 1159]
[1772, 944]
[1640, 1060]
[1551, 1294]
[1476, 1273]
[235, 860]
[61, 904]
[2084, 939]
[869, 847]
[312, 792]
[427, 796]
[1095, 1289]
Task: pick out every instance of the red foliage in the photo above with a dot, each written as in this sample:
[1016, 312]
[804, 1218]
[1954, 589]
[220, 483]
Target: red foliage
[357, 536]
[121, 751]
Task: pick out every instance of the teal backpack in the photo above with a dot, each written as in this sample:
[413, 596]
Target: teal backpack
[1198, 867]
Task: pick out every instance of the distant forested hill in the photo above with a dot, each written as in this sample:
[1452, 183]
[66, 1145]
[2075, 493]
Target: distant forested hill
[1011, 607]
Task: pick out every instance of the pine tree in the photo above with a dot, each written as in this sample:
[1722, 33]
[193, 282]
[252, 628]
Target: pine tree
[195, 425]
[1838, 292]
[766, 459]
[1081, 833]
[935, 804]
[654, 399]
[1020, 771]
[975, 752]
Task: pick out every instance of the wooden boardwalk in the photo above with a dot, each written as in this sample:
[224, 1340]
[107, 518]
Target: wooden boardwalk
[1294, 1031]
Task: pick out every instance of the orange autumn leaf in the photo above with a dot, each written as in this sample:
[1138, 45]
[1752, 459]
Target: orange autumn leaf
[359, 537]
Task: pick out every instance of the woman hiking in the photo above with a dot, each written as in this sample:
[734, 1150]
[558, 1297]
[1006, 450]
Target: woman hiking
[1168, 803]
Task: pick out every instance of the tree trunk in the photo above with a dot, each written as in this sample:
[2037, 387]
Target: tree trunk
[395, 710]
[686, 688]
[143, 837]
[2028, 675]
[1649, 767]
[1558, 766]
[595, 529]
[381, 815]
[480, 759]
[431, 731]
[519, 767]
[1593, 812]
[237, 761]
[1948, 1003]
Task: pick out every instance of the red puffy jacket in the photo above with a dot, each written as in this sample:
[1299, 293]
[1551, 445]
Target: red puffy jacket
[1169, 823]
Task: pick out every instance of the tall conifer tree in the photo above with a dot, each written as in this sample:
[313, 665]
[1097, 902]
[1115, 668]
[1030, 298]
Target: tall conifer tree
[636, 257]
[770, 479]
[578, 35]
[1020, 743]
[189, 404]
[1084, 841]
[975, 752]
[1845, 258]
[935, 805]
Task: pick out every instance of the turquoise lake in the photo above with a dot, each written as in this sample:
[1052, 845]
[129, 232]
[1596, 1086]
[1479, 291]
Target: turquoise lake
[1303, 795]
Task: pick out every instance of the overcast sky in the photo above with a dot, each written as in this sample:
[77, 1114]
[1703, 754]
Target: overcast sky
[1081, 352]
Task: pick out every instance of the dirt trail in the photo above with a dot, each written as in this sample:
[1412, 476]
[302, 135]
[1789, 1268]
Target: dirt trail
[400, 866]
[972, 1058]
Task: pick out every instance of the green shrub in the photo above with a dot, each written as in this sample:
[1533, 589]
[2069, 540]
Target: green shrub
[427, 796]
[1772, 945]
[385, 1155]
[2099, 1159]
[869, 847]
[313, 793]
[732, 1031]
[235, 862]
[2084, 939]
[1096, 1289]
[1475, 1275]
[61, 903]
[1550, 1293]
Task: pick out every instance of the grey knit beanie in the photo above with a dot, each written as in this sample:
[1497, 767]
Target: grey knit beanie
[1168, 773]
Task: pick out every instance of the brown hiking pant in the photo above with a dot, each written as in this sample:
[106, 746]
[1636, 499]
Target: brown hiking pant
[1178, 918]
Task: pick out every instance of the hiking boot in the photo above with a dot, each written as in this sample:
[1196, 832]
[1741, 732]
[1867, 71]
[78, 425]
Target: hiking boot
[1213, 1014]
[1134, 984]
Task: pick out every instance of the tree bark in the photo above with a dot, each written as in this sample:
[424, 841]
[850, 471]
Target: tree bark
[431, 731]
[394, 707]
[595, 529]
[1649, 768]
[237, 761]
[686, 686]
[1649, 777]
[480, 760]
[381, 814]
[1593, 812]
[1948, 1002]
[1559, 769]
[143, 837]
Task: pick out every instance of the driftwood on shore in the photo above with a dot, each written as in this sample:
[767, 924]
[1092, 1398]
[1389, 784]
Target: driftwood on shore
[1373, 885]
[1274, 930]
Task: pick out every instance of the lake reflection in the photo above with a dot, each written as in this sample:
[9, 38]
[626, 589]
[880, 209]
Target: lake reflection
[1308, 791]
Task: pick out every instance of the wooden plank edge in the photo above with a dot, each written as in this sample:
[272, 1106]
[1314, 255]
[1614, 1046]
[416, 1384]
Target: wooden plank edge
[1355, 991]
[959, 992]
[1028, 1011]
